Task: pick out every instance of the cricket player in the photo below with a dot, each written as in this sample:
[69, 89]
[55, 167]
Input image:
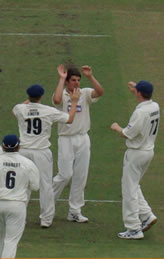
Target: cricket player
[74, 141]
[35, 121]
[140, 134]
[18, 175]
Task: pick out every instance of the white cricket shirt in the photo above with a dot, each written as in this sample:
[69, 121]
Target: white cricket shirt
[142, 128]
[17, 175]
[1, 150]
[35, 121]
[81, 122]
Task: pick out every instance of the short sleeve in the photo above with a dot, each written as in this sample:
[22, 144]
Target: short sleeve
[134, 126]
[59, 116]
[16, 109]
[88, 93]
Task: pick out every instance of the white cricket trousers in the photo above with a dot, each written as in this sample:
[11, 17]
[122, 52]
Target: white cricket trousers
[134, 206]
[12, 224]
[73, 162]
[43, 160]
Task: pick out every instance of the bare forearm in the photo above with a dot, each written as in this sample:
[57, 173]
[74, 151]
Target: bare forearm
[116, 127]
[57, 97]
[72, 112]
[97, 86]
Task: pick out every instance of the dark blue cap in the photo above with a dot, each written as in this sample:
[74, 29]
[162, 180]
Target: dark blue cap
[144, 87]
[11, 141]
[35, 91]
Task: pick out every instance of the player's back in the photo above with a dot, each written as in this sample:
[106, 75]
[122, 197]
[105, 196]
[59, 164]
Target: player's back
[151, 122]
[35, 122]
[149, 115]
[15, 176]
[142, 129]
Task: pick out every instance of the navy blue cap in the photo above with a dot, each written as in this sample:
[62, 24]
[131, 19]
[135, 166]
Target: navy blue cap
[144, 87]
[35, 91]
[11, 141]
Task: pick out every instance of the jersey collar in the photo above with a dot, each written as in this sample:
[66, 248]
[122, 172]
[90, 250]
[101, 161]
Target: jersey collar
[144, 103]
[66, 93]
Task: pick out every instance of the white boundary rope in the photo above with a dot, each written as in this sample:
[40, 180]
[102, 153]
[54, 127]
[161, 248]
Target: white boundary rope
[54, 34]
[98, 201]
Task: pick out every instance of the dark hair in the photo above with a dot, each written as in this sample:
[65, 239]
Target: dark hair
[72, 71]
[6, 149]
[34, 99]
[10, 143]
[145, 88]
[146, 96]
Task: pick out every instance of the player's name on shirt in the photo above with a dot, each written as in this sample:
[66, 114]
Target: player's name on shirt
[154, 113]
[8, 164]
[33, 112]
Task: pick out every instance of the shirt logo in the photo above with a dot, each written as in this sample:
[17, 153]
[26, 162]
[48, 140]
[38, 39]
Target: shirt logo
[78, 108]
[129, 126]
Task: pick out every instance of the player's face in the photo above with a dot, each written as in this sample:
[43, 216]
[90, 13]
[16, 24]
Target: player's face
[73, 82]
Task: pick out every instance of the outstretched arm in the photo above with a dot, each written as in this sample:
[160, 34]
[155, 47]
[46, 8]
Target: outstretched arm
[57, 97]
[98, 89]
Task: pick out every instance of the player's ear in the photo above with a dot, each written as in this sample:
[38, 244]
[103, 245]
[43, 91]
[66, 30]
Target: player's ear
[17, 148]
[66, 82]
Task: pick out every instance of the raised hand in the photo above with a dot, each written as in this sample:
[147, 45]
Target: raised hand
[86, 70]
[62, 71]
[131, 86]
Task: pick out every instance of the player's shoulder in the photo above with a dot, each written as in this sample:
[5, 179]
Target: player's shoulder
[145, 109]
[23, 159]
[155, 104]
[86, 89]
[14, 157]
[48, 110]
[27, 163]
[1, 150]
[19, 106]
[42, 108]
[151, 105]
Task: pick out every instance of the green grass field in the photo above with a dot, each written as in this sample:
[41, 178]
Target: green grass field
[122, 40]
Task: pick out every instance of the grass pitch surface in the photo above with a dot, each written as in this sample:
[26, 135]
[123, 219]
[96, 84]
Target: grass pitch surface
[122, 40]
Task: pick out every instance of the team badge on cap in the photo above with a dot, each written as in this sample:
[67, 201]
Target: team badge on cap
[10, 141]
